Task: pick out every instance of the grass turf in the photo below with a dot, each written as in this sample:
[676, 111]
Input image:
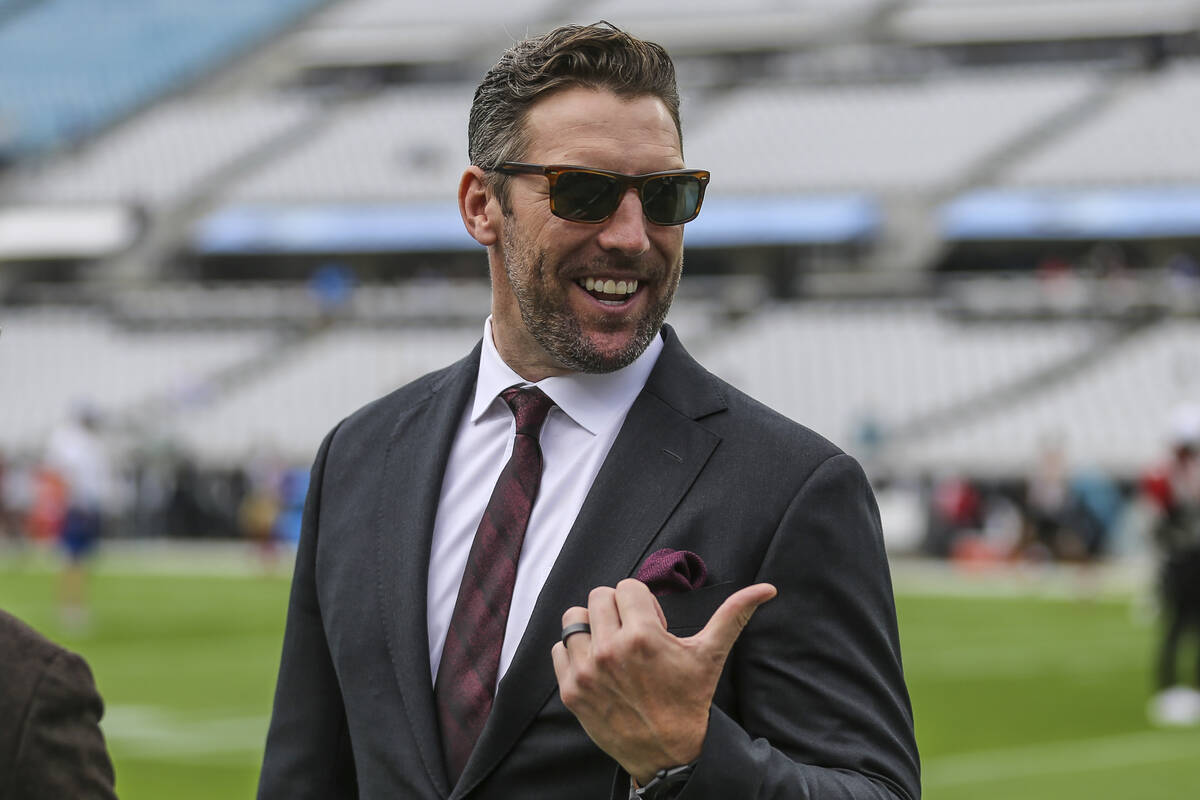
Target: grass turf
[1015, 695]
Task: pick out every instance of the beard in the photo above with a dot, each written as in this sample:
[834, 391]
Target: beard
[548, 318]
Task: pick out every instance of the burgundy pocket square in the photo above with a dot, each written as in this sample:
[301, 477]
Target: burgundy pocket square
[671, 571]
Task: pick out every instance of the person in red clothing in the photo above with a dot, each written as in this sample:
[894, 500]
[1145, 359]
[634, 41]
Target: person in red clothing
[1174, 491]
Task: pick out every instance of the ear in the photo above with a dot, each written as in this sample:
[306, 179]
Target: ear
[479, 208]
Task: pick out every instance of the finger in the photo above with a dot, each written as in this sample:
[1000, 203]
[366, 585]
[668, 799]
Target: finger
[728, 621]
[573, 615]
[562, 661]
[577, 644]
[637, 606]
[602, 610]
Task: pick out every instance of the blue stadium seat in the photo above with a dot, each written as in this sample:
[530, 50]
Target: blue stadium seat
[69, 68]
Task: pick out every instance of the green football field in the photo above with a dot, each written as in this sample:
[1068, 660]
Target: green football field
[1023, 688]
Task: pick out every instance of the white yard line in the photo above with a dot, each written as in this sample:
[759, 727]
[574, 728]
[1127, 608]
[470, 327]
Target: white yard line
[1107, 582]
[156, 732]
[220, 559]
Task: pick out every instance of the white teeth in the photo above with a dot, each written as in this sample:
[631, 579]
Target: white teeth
[609, 286]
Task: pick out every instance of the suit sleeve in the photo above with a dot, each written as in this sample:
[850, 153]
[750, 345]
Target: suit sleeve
[821, 705]
[62, 751]
[308, 745]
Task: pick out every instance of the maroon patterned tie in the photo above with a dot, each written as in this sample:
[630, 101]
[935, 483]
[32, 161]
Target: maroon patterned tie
[466, 678]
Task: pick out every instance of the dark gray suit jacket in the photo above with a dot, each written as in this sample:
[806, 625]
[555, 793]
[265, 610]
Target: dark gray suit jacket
[812, 703]
[51, 746]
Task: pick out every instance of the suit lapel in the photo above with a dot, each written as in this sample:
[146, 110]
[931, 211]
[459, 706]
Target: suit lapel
[416, 458]
[654, 460]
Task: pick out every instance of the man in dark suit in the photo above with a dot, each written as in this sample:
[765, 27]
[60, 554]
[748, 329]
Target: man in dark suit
[51, 746]
[427, 656]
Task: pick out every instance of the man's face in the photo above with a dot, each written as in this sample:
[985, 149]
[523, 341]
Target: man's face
[545, 320]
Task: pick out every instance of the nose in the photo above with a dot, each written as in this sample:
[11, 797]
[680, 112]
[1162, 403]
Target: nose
[625, 230]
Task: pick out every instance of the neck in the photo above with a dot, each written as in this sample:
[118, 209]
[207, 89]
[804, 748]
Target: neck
[526, 358]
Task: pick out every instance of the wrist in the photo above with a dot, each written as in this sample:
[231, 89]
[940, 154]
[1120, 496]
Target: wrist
[682, 748]
[664, 784]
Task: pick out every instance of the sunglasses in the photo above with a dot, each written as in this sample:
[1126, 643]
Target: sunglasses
[581, 194]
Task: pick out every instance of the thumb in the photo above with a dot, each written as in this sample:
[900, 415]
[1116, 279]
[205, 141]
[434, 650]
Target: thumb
[727, 622]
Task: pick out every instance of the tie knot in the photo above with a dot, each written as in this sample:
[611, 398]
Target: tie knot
[530, 406]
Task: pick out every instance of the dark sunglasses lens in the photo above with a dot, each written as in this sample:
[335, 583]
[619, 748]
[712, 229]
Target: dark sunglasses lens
[585, 196]
[671, 199]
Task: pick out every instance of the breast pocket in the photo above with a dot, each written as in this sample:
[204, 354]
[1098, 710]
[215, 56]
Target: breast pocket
[688, 612]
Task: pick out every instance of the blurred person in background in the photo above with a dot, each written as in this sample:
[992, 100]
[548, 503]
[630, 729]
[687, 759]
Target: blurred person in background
[1174, 492]
[332, 287]
[10, 529]
[77, 454]
[420, 662]
[293, 488]
[47, 506]
[955, 514]
[262, 503]
[51, 746]
[1067, 512]
[1048, 506]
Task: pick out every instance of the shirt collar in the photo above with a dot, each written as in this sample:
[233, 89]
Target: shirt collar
[595, 402]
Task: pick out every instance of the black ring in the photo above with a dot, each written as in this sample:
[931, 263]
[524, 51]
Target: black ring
[574, 628]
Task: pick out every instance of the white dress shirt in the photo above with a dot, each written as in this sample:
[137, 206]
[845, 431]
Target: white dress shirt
[578, 432]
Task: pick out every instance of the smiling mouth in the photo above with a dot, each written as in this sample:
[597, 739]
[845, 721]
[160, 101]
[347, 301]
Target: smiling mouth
[609, 291]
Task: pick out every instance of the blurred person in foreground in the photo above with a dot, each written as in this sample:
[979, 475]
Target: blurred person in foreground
[51, 746]
[78, 456]
[1174, 492]
[588, 627]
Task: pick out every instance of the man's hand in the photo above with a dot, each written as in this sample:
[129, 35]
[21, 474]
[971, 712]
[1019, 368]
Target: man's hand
[641, 693]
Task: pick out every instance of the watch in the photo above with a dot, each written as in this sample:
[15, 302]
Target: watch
[666, 783]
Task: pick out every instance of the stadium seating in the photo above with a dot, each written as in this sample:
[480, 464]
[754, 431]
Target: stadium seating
[401, 145]
[1111, 415]
[715, 26]
[837, 365]
[408, 145]
[292, 377]
[1148, 135]
[359, 32]
[292, 403]
[882, 137]
[10, 7]
[931, 21]
[54, 358]
[403, 13]
[69, 68]
[166, 154]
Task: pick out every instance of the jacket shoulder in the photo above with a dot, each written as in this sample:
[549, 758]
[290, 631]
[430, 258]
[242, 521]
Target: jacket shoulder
[757, 425]
[23, 653]
[26, 656]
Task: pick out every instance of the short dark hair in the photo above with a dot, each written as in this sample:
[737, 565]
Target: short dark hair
[597, 56]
